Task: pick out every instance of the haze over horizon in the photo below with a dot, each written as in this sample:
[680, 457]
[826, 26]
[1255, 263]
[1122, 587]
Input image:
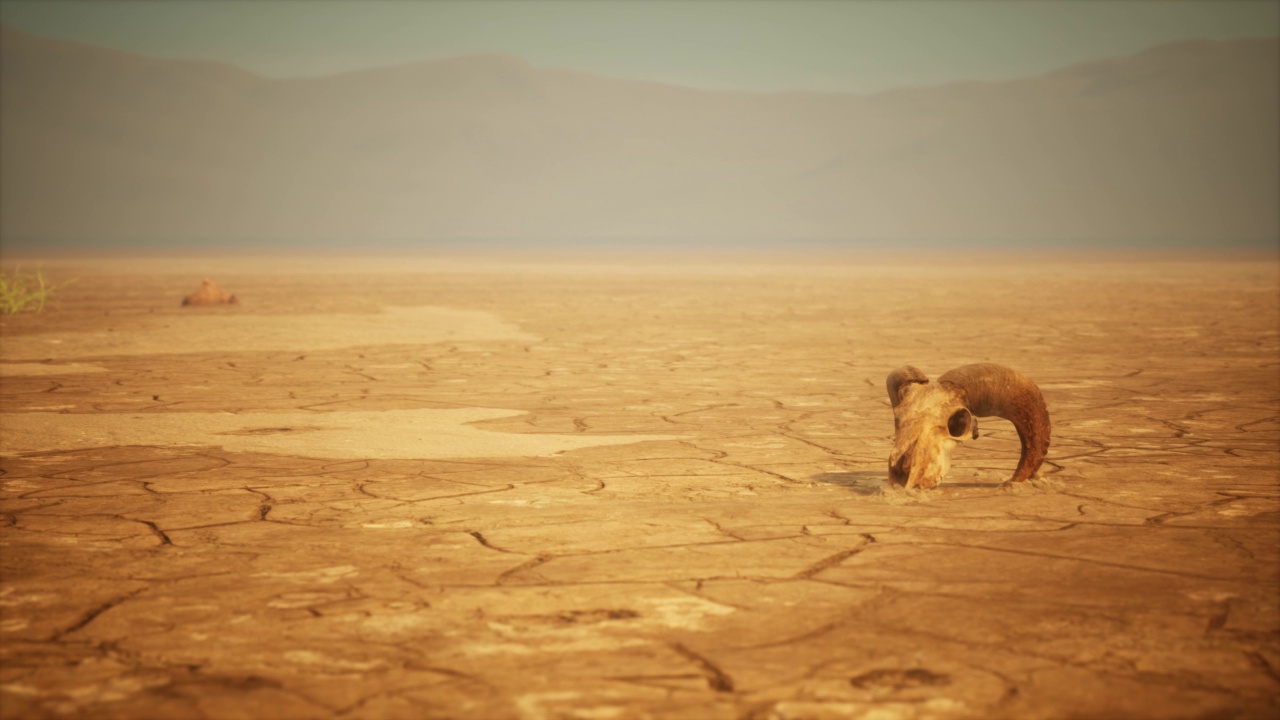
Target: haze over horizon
[294, 138]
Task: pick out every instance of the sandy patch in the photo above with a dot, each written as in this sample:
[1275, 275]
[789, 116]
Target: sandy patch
[390, 434]
[236, 332]
[32, 369]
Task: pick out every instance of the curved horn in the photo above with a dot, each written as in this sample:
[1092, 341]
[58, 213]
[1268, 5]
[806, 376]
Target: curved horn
[989, 389]
[902, 376]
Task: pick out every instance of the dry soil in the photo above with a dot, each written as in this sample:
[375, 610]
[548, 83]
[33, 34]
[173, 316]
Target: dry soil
[635, 487]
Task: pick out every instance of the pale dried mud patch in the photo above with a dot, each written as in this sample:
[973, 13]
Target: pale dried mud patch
[230, 330]
[383, 434]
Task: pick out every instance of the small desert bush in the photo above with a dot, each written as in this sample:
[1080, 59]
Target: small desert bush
[25, 291]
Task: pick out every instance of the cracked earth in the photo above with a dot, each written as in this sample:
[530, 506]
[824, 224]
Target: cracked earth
[642, 489]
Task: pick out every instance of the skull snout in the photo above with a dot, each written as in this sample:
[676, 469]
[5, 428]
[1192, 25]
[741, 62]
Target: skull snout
[917, 464]
[922, 446]
[900, 466]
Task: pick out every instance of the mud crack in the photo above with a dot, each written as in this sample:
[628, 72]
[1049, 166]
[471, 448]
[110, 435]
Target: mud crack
[717, 679]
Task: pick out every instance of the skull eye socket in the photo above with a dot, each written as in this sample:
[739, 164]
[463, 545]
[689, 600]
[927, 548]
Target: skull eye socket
[959, 422]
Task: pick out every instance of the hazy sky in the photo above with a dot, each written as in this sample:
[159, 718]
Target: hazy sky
[840, 45]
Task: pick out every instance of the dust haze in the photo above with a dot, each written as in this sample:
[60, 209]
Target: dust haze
[1172, 147]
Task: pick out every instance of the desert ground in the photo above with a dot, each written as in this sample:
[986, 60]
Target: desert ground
[636, 487]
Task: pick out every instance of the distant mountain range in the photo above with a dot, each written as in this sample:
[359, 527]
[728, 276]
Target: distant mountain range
[1176, 145]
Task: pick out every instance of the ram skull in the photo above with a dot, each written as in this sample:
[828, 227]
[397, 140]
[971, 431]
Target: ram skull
[930, 419]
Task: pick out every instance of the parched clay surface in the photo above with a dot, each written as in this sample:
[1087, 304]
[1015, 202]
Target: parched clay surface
[687, 519]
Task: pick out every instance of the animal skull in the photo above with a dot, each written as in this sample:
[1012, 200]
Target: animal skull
[930, 419]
